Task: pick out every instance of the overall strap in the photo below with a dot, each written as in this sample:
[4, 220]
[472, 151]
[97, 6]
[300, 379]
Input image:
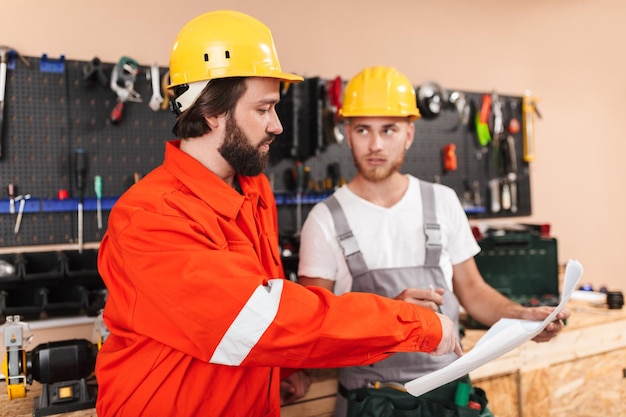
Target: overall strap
[347, 241]
[432, 229]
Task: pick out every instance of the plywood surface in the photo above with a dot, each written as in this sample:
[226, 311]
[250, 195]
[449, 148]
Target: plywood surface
[589, 387]
[502, 394]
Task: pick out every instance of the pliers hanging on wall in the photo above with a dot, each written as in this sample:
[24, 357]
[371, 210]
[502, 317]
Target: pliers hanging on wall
[123, 78]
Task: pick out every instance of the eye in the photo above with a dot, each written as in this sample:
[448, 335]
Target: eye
[389, 131]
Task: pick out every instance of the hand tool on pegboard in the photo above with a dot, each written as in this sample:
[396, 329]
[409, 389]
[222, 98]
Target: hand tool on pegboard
[334, 179]
[97, 186]
[11, 194]
[449, 157]
[494, 194]
[462, 106]
[123, 77]
[297, 179]
[80, 173]
[332, 104]
[20, 212]
[5, 52]
[500, 151]
[529, 109]
[92, 72]
[430, 99]
[509, 167]
[482, 125]
[157, 99]
[491, 111]
[509, 153]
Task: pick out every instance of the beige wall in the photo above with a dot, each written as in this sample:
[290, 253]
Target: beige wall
[568, 52]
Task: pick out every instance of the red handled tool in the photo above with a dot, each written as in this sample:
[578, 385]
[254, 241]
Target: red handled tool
[123, 79]
[482, 121]
[334, 88]
[449, 157]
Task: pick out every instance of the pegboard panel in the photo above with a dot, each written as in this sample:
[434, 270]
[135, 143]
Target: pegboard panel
[116, 151]
[48, 116]
[477, 165]
[34, 142]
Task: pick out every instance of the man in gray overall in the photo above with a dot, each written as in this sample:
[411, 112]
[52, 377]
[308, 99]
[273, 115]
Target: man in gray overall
[392, 234]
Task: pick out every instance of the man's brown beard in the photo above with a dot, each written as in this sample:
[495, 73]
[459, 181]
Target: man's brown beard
[239, 152]
[379, 173]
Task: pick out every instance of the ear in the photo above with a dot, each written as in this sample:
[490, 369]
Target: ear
[410, 132]
[214, 121]
[347, 133]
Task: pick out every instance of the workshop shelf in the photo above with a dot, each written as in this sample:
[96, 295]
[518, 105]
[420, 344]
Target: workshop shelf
[42, 265]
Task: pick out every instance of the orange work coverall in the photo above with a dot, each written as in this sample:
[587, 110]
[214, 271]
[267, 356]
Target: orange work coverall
[201, 319]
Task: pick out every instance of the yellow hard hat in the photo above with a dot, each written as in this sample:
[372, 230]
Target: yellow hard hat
[223, 44]
[379, 91]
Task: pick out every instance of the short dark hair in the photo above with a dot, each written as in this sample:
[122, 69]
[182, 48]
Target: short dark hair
[219, 96]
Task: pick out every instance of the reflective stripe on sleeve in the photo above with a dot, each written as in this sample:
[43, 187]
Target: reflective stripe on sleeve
[251, 322]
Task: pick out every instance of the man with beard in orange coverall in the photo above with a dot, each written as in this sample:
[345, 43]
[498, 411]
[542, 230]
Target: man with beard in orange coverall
[200, 316]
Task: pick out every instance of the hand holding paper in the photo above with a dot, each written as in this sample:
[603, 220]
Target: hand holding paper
[502, 337]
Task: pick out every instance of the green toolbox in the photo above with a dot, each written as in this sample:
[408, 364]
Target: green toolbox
[522, 266]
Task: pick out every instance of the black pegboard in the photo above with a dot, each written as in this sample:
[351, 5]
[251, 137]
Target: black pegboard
[475, 162]
[48, 115]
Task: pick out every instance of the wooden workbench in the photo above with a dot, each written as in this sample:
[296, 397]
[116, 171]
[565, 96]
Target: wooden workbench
[581, 373]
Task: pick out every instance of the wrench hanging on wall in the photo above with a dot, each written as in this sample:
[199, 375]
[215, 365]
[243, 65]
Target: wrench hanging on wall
[157, 99]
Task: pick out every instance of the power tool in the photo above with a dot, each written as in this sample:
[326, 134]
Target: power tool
[64, 368]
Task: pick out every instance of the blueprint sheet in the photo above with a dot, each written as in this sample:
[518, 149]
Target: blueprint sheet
[504, 336]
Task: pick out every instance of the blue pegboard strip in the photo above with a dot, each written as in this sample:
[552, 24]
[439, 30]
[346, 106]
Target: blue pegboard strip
[38, 205]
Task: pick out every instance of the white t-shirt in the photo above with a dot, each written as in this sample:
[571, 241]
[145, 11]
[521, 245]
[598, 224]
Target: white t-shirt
[388, 237]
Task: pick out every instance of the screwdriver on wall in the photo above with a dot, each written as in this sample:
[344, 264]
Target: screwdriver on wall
[80, 171]
[97, 186]
[11, 193]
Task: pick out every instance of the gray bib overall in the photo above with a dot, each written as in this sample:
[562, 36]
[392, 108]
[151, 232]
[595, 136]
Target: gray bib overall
[389, 282]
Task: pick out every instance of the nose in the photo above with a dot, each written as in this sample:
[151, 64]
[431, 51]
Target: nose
[274, 125]
[376, 142]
